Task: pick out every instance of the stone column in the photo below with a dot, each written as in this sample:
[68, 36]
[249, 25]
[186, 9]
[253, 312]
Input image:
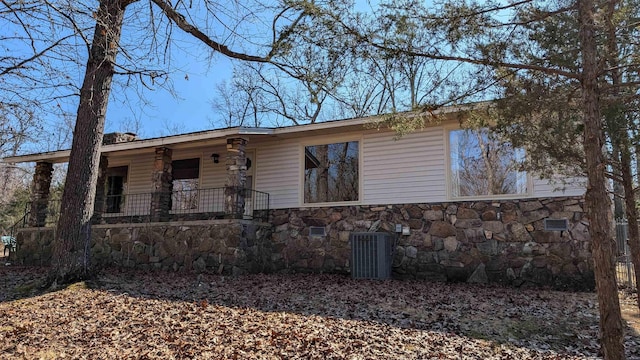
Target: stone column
[101, 190]
[40, 194]
[236, 177]
[162, 187]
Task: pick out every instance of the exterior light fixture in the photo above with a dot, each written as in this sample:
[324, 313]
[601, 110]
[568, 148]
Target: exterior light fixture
[215, 158]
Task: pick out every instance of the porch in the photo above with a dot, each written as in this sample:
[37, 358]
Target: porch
[184, 205]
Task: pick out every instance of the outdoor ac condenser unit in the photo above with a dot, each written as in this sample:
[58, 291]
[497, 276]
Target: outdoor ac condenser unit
[371, 255]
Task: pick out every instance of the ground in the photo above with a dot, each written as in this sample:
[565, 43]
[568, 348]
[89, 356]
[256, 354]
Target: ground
[126, 314]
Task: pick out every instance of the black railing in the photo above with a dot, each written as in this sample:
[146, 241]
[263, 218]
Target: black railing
[201, 204]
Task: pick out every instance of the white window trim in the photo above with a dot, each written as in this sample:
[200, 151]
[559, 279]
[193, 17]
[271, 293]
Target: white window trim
[325, 141]
[449, 176]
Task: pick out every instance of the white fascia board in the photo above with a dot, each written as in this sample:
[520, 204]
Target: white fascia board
[63, 155]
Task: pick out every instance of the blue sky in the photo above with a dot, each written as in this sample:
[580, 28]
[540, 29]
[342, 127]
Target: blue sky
[190, 109]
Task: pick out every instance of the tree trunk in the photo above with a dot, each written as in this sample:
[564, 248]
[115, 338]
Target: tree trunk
[597, 202]
[73, 241]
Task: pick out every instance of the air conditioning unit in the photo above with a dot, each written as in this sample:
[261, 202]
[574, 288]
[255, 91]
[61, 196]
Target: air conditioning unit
[371, 255]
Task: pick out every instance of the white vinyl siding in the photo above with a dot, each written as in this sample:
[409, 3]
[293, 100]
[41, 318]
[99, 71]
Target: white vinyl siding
[277, 172]
[412, 169]
[408, 170]
[140, 169]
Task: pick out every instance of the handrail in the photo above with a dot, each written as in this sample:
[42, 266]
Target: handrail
[13, 244]
[191, 204]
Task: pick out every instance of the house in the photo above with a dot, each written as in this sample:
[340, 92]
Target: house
[241, 199]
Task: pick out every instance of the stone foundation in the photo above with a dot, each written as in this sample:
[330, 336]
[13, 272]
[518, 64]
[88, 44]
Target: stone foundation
[481, 241]
[221, 246]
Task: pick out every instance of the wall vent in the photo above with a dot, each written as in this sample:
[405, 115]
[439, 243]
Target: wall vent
[371, 255]
[317, 231]
[556, 224]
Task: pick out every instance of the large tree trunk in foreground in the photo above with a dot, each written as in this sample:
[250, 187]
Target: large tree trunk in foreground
[597, 201]
[73, 239]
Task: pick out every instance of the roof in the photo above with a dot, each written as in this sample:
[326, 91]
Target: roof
[208, 135]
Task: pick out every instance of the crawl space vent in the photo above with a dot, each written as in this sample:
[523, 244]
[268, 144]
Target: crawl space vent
[556, 224]
[317, 231]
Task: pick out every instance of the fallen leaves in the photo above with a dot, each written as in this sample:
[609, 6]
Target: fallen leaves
[135, 315]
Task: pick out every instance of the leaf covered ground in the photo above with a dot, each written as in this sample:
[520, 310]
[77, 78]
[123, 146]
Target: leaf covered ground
[136, 315]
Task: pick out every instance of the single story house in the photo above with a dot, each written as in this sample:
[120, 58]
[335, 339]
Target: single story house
[242, 199]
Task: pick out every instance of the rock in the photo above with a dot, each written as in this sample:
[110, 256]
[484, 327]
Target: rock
[580, 232]
[493, 226]
[539, 262]
[573, 208]
[466, 213]
[427, 241]
[414, 212]
[199, 265]
[452, 209]
[468, 223]
[442, 229]
[489, 215]
[438, 244]
[489, 247]
[415, 224]
[528, 247]
[518, 232]
[280, 219]
[511, 275]
[433, 215]
[451, 243]
[530, 205]
[474, 235]
[488, 234]
[411, 252]
[533, 216]
[479, 275]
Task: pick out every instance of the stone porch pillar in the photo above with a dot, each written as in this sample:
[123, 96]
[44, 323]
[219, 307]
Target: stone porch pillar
[101, 190]
[236, 177]
[162, 185]
[40, 194]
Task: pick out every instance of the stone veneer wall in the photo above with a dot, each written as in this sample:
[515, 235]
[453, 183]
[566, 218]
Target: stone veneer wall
[480, 241]
[222, 246]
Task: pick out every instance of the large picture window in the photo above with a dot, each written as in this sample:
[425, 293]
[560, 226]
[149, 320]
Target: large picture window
[331, 172]
[481, 164]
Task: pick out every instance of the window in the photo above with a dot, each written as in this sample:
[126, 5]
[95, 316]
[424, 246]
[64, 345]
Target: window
[116, 188]
[331, 172]
[185, 175]
[483, 165]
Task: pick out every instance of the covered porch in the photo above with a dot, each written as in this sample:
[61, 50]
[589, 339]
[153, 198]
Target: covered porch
[196, 178]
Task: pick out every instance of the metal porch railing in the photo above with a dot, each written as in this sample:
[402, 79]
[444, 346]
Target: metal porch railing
[625, 274]
[200, 204]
